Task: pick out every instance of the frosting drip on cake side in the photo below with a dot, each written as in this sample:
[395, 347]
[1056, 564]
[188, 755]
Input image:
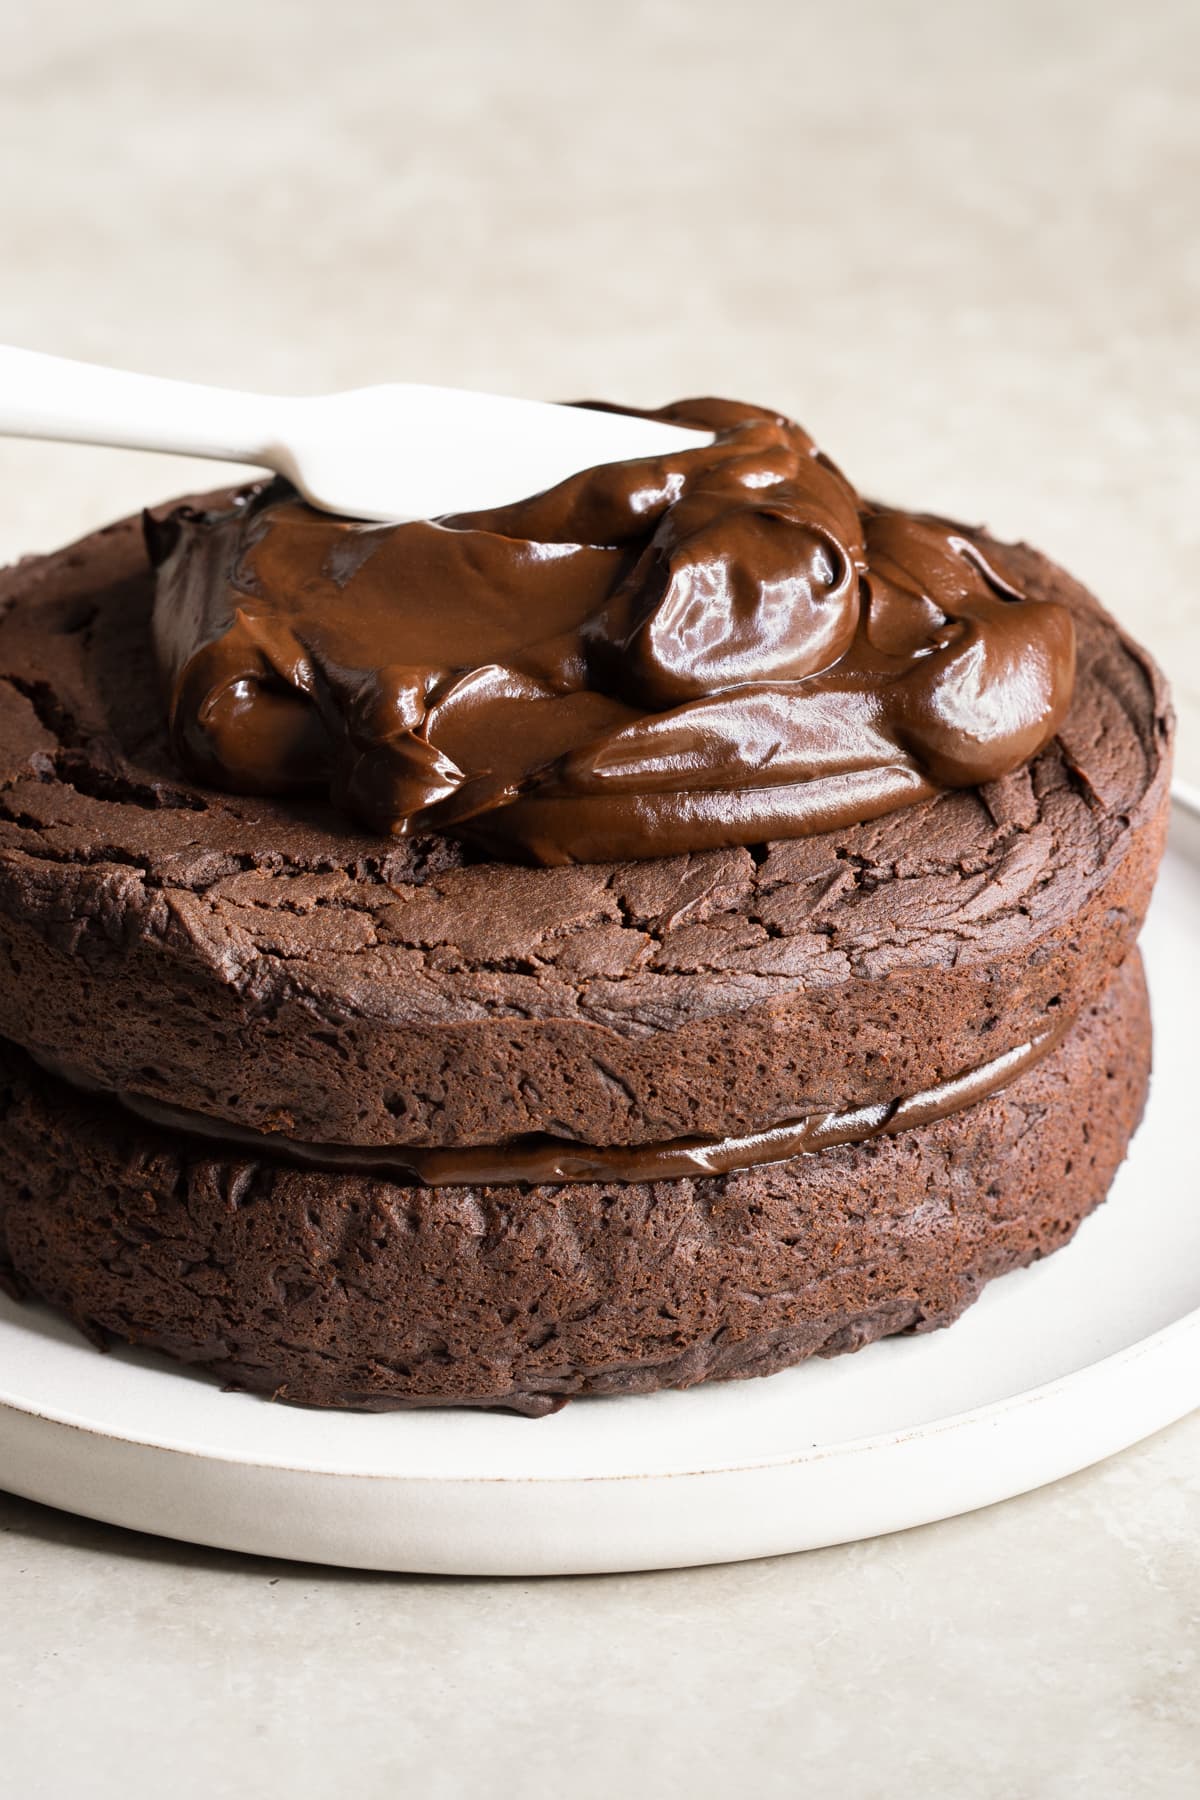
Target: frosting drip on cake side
[718, 647]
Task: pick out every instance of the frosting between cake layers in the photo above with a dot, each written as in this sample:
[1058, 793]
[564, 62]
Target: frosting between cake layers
[542, 1160]
[721, 646]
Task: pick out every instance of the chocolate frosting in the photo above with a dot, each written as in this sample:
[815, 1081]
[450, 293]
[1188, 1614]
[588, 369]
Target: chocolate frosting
[721, 646]
[538, 1159]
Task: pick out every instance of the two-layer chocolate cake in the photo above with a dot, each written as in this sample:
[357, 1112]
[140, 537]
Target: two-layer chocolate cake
[654, 932]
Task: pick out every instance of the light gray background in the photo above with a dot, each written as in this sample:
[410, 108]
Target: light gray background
[960, 241]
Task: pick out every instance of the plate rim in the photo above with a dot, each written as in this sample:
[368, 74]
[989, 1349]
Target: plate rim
[1152, 1345]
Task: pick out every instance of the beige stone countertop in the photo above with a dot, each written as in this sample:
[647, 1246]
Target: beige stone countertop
[961, 242]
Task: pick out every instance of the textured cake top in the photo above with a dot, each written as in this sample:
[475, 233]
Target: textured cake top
[349, 987]
[720, 647]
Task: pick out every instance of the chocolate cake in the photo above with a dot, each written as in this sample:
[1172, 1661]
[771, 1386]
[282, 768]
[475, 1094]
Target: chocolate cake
[652, 933]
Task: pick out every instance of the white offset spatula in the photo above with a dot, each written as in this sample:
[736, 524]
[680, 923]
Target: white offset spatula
[394, 452]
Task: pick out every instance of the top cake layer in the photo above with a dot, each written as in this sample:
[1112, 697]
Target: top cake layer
[262, 961]
[723, 646]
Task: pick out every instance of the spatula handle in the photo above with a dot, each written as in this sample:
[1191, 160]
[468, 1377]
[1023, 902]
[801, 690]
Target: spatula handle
[82, 403]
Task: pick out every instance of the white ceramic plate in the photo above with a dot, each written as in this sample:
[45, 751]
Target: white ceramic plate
[1054, 1368]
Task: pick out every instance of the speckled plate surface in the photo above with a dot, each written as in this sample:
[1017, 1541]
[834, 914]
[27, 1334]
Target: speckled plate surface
[1054, 1368]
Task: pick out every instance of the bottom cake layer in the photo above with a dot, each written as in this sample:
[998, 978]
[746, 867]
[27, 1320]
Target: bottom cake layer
[340, 1288]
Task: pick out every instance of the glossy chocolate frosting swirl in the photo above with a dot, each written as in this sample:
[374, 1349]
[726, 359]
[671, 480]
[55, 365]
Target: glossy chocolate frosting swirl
[717, 647]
